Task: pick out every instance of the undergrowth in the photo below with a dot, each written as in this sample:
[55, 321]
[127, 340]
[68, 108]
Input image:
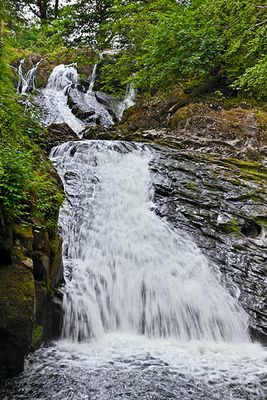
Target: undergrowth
[29, 190]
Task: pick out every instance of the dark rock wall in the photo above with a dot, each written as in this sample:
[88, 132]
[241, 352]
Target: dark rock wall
[30, 271]
[210, 180]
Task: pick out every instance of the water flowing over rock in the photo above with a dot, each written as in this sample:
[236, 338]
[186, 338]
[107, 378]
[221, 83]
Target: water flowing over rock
[65, 100]
[140, 274]
[164, 255]
[146, 315]
[26, 80]
[53, 99]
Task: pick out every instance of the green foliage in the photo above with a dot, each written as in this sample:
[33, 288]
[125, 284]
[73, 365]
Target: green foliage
[28, 190]
[232, 226]
[167, 43]
[44, 39]
[15, 179]
[254, 80]
[164, 42]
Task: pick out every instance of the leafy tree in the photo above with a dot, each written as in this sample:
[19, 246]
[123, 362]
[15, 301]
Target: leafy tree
[43, 10]
[166, 42]
[84, 22]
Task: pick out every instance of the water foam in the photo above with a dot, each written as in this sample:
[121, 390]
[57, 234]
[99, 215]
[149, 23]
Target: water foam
[127, 269]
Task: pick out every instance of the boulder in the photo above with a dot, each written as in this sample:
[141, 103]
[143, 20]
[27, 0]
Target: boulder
[59, 133]
[88, 109]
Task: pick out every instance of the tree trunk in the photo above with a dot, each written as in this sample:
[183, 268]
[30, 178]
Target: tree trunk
[56, 8]
[1, 35]
[43, 7]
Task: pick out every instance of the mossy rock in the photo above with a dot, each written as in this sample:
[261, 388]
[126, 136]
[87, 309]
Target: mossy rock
[231, 226]
[24, 234]
[17, 304]
[191, 185]
[37, 337]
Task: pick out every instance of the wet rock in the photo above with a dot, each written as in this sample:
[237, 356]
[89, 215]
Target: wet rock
[40, 239]
[98, 133]
[224, 217]
[235, 132]
[23, 235]
[59, 133]
[30, 270]
[41, 266]
[16, 317]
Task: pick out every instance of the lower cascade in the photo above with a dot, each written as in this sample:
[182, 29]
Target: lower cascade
[127, 270]
[146, 316]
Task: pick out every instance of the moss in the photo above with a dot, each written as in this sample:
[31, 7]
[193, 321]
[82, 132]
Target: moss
[191, 185]
[248, 170]
[261, 221]
[37, 336]
[261, 117]
[17, 294]
[54, 244]
[243, 164]
[24, 231]
[19, 254]
[231, 226]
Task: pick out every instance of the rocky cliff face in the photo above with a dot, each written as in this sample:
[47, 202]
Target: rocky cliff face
[211, 175]
[30, 271]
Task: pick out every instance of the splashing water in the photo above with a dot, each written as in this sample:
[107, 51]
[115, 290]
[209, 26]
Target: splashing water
[62, 77]
[93, 79]
[27, 81]
[127, 270]
[145, 316]
[128, 101]
[53, 99]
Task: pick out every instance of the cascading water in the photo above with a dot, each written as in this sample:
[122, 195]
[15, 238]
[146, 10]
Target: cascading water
[93, 79]
[128, 101]
[27, 81]
[145, 315]
[127, 270]
[61, 87]
[53, 98]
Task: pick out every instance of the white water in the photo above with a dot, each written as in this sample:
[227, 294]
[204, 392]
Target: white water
[93, 79]
[142, 305]
[128, 101]
[127, 270]
[26, 81]
[53, 98]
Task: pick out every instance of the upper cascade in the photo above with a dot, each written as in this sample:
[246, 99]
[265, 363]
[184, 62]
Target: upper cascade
[93, 79]
[63, 76]
[26, 81]
[65, 100]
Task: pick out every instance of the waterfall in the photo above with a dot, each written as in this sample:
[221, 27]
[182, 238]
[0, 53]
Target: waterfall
[53, 98]
[126, 269]
[93, 79]
[62, 77]
[128, 101]
[27, 82]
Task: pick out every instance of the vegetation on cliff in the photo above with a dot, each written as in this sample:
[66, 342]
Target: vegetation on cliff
[28, 187]
[168, 43]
